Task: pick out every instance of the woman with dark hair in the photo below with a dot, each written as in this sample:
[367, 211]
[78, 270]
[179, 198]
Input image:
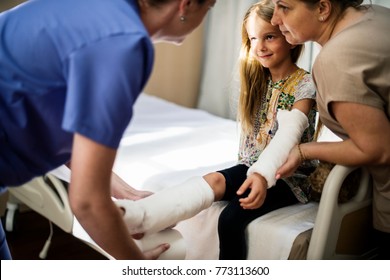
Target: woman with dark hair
[351, 73]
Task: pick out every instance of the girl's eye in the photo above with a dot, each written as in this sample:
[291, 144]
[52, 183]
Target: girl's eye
[269, 37]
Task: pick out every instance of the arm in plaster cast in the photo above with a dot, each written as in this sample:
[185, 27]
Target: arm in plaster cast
[292, 124]
[262, 174]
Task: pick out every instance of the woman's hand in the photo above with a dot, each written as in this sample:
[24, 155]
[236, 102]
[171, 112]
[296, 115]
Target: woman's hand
[292, 163]
[153, 254]
[256, 197]
[121, 190]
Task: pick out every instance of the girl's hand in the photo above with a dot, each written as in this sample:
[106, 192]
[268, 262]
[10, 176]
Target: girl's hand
[256, 197]
[292, 163]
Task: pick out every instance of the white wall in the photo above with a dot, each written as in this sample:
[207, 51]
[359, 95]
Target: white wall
[385, 3]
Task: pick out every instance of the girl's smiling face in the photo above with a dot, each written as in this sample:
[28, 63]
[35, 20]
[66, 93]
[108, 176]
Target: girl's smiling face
[268, 45]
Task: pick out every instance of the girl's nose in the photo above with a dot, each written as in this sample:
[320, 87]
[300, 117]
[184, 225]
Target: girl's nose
[261, 46]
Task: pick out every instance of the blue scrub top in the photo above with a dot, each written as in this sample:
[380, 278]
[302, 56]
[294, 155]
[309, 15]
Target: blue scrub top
[67, 66]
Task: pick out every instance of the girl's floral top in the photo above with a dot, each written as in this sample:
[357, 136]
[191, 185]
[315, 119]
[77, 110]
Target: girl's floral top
[281, 95]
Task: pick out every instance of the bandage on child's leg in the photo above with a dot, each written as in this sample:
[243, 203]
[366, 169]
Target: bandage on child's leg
[167, 207]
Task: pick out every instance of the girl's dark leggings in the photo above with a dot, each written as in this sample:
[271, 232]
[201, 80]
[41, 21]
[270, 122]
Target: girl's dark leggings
[234, 219]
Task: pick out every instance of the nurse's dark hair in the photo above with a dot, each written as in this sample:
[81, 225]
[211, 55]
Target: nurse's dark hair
[157, 3]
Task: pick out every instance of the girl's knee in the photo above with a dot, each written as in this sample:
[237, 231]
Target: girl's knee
[217, 182]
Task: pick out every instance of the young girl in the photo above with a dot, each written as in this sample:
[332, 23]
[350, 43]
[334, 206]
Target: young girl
[270, 81]
[276, 103]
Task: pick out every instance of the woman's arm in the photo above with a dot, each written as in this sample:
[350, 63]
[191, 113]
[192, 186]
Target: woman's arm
[369, 132]
[90, 199]
[121, 190]
[369, 137]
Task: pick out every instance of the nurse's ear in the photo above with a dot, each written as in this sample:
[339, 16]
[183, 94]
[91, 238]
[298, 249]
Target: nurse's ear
[184, 7]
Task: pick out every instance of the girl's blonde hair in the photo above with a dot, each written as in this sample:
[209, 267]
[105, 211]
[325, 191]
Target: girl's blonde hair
[253, 76]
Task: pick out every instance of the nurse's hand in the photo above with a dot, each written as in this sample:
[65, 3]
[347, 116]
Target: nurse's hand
[153, 254]
[121, 190]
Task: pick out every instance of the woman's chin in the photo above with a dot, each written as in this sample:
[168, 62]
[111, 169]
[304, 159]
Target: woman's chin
[290, 39]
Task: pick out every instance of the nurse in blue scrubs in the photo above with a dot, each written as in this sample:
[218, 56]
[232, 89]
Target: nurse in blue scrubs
[70, 72]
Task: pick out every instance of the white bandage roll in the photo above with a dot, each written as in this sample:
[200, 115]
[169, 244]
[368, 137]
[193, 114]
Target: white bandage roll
[165, 208]
[291, 125]
[177, 249]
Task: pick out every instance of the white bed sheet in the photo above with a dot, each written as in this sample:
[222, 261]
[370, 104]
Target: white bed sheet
[166, 144]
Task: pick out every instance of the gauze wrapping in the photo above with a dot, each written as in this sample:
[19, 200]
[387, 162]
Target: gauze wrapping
[165, 208]
[291, 125]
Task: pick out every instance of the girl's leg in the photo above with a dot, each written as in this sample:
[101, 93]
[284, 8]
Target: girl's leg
[217, 183]
[167, 207]
[234, 220]
[171, 205]
[226, 182]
